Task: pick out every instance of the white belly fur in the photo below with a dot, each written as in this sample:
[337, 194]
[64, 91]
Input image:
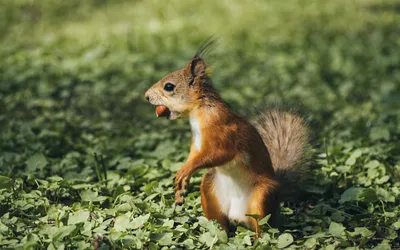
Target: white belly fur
[233, 191]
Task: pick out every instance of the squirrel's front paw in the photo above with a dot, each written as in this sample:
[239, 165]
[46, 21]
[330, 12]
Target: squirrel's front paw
[182, 179]
[179, 197]
[181, 182]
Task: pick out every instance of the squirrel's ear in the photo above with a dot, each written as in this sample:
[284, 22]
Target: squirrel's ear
[196, 67]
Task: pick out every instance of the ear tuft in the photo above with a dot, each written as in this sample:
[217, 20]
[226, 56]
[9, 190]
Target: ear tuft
[197, 66]
[207, 47]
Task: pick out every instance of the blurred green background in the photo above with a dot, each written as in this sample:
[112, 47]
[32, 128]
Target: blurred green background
[72, 79]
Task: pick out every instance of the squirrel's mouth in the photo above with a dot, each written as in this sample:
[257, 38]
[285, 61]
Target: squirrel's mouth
[162, 111]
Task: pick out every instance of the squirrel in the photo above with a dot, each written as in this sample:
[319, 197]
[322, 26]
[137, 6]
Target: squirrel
[252, 165]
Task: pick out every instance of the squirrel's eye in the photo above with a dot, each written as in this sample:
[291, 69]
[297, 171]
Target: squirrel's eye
[169, 87]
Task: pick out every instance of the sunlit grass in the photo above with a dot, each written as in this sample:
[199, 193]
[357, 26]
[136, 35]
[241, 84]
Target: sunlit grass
[272, 20]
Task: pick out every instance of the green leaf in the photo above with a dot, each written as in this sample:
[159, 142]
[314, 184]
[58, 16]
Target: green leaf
[139, 221]
[385, 195]
[209, 225]
[130, 241]
[353, 157]
[351, 194]
[396, 225]
[222, 236]
[343, 169]
[382, 180]
[5, 182]
[384, 245]
[284, 240]
[338, 216]
[369, 195]
[310, 243]
[78, 217]
[122, 223]
[363, 231]
[63, 232]
[188, 243]
[389, 214]
[163, 239]
[208, 239]
[264, 220]
[37, 161]
[55, 178]
[372, 164]
[247, 240]
[337, 229]
[89, 195]
[255, 216]
[115, 235]
[379, 133]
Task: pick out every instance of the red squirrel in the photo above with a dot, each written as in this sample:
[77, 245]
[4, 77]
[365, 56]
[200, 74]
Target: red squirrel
[252, 166]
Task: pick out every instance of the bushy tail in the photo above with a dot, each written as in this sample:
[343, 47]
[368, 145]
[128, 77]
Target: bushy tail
[286, 136]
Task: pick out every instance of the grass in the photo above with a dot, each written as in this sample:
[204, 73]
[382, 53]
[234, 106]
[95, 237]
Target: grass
[84, 163]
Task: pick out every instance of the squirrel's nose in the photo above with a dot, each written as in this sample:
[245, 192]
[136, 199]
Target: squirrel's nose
[147, 96]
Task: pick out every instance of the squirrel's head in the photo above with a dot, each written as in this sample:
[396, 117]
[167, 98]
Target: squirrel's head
[178, 93]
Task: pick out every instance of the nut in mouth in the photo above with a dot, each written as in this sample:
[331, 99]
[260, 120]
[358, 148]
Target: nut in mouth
[162, 111]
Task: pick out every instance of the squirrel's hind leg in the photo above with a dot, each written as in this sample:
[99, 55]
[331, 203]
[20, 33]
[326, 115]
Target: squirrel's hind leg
[263, 201]
[209, 201]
